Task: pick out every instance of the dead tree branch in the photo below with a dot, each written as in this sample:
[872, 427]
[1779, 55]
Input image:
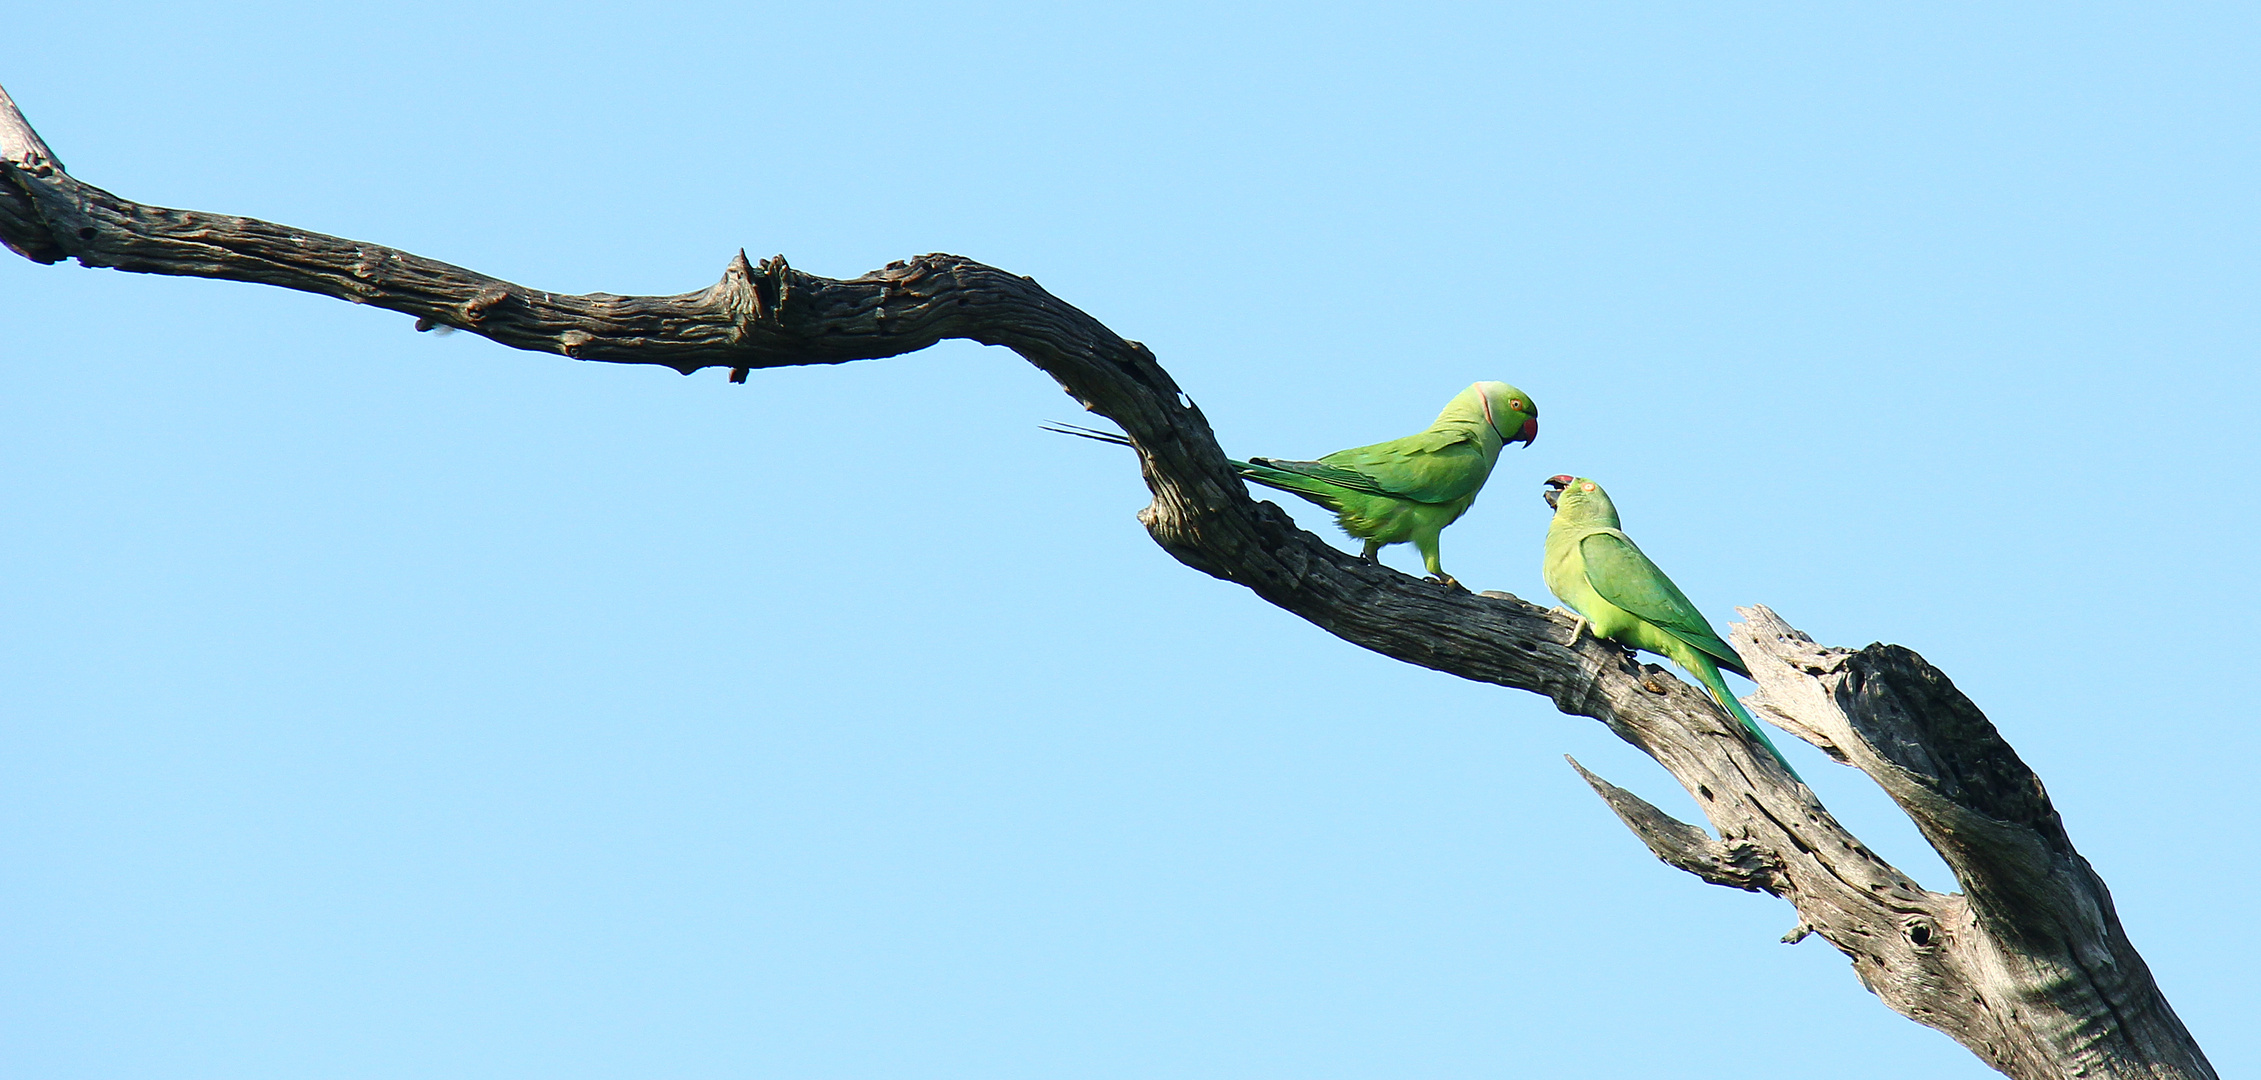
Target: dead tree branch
[2028, 966]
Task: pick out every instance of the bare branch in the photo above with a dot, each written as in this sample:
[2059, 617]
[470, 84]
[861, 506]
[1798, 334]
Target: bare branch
[2044, 978]
[2031, 972]
[21, 148]
[1737, 866]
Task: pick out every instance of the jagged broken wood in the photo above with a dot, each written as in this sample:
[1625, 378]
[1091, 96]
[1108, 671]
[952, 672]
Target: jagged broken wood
[2028, 966]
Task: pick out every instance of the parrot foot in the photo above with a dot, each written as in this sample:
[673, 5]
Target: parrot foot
[1577, 623]
[1447, 581]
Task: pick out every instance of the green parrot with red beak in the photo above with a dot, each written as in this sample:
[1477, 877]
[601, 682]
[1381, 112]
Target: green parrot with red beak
[1404, 491]
[1594, 567]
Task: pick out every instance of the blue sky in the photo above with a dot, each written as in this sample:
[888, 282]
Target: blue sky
[383, 704]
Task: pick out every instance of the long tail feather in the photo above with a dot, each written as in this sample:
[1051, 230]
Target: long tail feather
[1316, 490]
[1294, 483]
[1093, 434]
[1712, 681]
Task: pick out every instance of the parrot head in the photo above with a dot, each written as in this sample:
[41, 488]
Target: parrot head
[1577, 498]
[1509, 411]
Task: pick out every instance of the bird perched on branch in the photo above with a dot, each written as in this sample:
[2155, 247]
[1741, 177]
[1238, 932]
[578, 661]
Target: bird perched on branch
[1594, 567]
[1404, 490]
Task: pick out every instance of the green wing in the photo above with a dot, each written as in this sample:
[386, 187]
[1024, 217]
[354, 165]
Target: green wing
[1625, 577]
[1315, 470]
[1431, 467]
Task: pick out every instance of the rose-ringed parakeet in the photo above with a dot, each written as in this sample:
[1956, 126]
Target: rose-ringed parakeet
[1404, 490]
[1594, 567]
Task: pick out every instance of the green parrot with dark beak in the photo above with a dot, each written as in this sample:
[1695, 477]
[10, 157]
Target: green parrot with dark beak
[1404, 490]
[1593, 566]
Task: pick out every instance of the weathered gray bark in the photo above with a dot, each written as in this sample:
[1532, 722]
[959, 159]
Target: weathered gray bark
[2028, 967]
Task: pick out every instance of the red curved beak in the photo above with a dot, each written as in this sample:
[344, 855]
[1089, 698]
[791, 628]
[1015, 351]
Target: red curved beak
[1530, 431]
[1553, 489]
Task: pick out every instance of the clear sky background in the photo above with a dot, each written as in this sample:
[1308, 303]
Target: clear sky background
[391, 705]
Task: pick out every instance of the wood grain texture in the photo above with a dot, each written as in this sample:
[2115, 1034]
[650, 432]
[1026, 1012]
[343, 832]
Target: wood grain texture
[2028, 966]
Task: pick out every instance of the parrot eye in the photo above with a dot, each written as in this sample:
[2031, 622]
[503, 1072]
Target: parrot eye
[1515, 403]
[1587, 486]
